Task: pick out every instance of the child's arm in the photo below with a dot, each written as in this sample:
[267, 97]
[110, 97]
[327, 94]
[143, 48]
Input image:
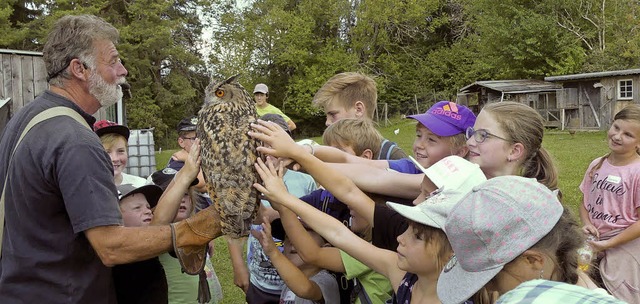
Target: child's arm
[295, 279]
[382, 181]
[334, 155]
[182, 156]
[309, 251]
[380, 260]
[629, 234]
[240, 269]
[282, 145]
[169, 202]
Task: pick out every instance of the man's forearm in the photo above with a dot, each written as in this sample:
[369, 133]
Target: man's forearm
[121, 245]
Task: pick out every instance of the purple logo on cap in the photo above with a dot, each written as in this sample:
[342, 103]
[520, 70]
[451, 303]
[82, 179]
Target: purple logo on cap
[450, 109]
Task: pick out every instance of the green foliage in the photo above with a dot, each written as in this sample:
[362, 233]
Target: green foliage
[418, 51]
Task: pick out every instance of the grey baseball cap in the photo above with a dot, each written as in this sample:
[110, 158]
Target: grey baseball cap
[490, 227]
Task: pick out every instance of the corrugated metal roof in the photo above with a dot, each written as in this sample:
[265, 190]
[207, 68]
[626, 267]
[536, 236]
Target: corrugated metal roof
[18, 52]
[513, 86]
[593, 75]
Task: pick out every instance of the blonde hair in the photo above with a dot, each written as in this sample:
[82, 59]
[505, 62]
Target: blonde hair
[522, 124]
[109, 140]
[359, 134]
[345, 89]
[458, 142]
[630, 112]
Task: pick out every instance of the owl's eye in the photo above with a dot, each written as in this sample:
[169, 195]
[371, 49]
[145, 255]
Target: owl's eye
[220, 93]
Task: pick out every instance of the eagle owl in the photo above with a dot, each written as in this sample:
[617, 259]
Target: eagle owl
[228, 154]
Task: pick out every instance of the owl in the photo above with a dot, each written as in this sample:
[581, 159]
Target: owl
[228, 154]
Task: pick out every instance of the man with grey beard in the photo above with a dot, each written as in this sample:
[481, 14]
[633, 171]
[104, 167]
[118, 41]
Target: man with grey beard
[62, 224]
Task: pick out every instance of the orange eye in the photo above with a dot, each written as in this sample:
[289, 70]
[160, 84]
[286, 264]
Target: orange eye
[220, 93]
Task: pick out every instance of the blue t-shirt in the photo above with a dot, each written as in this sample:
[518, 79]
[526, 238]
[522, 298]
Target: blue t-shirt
[404, 165]
[262, 273]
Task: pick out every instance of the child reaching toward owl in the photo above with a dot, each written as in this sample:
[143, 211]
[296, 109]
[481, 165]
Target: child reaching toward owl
[305, 283]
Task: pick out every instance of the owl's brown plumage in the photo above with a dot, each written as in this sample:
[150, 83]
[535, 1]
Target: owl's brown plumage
[229, 154]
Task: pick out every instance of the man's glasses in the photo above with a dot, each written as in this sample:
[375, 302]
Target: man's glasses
[190, 138]
[481, 135]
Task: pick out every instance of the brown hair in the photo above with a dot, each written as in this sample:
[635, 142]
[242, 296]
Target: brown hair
[524, 125]
[561, 244]
[630, 112]
[435, 236]
[359, 134]
[347, 88]
[74, 37]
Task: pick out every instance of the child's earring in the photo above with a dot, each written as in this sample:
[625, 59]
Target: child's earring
[541, 273]
[508, 159]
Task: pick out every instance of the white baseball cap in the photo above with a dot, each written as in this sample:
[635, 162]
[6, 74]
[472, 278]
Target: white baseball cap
[455, 177]
[261, 88]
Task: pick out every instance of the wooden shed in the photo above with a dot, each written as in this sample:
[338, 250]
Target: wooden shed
[591, 100]
[23, 76]
[543, 96]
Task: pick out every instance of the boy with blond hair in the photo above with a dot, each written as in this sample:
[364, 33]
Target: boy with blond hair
[354, 136]
[353, 95]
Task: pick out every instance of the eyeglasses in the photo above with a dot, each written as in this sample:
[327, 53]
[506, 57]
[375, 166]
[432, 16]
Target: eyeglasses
[481, 135]
[190, 138]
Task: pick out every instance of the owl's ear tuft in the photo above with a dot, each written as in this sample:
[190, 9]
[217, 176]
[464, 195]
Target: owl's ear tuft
[232, 78]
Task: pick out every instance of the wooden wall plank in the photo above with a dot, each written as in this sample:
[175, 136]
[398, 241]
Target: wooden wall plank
[7, 89]
[39, 75]
[16, 84]
[28, 91]
[1, 77]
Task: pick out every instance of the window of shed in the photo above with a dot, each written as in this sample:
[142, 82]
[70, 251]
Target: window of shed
[625, 89]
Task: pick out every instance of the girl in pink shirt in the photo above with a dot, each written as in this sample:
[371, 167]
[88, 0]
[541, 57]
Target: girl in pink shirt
[612, 203]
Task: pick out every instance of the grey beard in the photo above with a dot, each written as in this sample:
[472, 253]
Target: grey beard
[107, 94]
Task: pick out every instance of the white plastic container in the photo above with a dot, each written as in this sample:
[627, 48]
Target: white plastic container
[142, 157]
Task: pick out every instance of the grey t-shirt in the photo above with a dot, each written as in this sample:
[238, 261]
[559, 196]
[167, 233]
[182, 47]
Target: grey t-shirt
[60, 184]
[327, 283]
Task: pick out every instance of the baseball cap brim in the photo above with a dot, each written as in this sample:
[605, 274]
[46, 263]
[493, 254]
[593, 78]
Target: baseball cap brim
[436, 125]
[118, 129]
[163, 178]
[415, 214]
[151, 192]
[456, 285]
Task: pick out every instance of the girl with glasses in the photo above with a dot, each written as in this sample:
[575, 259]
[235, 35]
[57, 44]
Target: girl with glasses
[506, 139]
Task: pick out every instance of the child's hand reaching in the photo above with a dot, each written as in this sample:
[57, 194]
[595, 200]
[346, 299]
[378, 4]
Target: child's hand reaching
[192, 162]
[279, 142]
[273, 186]
[265, 238]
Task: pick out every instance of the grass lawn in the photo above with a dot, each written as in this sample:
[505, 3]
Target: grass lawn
[572, 154]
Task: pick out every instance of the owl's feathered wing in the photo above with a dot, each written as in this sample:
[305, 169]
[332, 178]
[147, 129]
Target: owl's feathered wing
[229, 154]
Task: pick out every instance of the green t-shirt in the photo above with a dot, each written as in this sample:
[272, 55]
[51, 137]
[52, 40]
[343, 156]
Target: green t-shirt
[270, 109]
[377, 286]
[183, 288]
